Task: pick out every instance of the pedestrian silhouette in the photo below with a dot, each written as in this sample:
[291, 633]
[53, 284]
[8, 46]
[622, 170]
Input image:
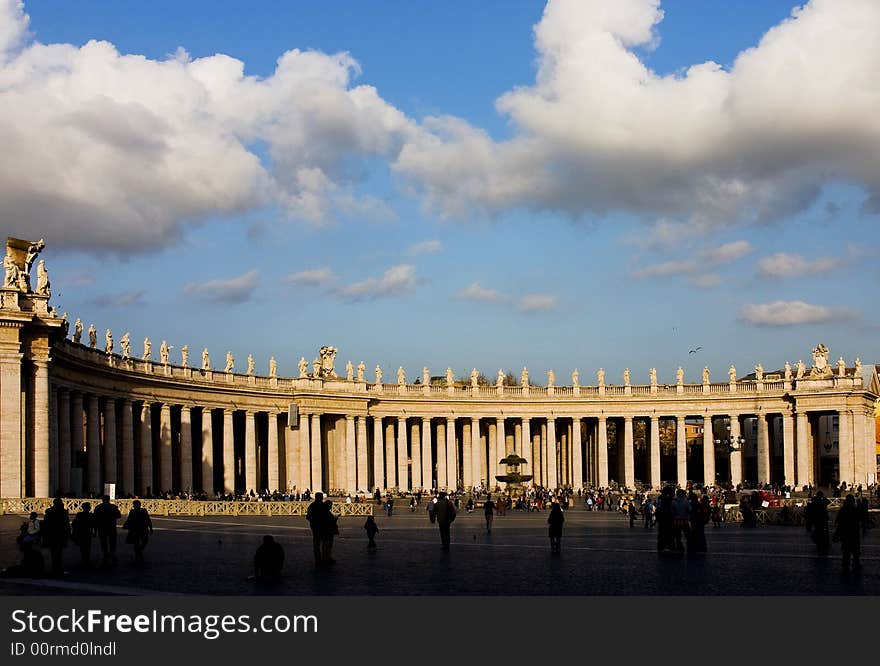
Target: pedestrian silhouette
[848, 531]
[56, 532]
[82, 530]
[555, 520]
[106, 514]
[268, 560]
[371, 529]
[329, 530]
[816, 522]
[445, 514]
[32, 564]
[489, 511]
[139, 527]
[316, 514]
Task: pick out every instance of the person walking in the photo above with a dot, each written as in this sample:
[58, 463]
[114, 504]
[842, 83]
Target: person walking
[555, 520]
[329, 530]
[848, 531]
[316, 514]
[371, 528]
[816, 522]
[489, 512]
[82, 530]
[681, 519]
[140, 527]
[445, 514]
[56, 532]
[106, 514]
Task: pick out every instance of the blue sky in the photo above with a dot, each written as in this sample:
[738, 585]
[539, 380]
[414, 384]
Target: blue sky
[490, 185]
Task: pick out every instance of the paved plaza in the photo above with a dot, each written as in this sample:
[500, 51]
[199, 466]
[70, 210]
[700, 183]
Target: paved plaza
[601, 555]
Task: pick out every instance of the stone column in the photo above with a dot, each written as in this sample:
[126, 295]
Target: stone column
[11, 479]
[763, 449]
[390, 455]
[526, 445]
[467, 476]
[146, 450]
[500, 449]
[64, 442]
[316, 454]
[788, 447]
[427, 466]
[304, 442]
[350, 455]
[577, 460]
[166, 481]
[207, 452]
[860, 473]
[804, 449]
[378, 448]
[273, 473]
[451, 480]
[361, 452]
[109, 441]
[186, 461]
[680, 451]
[77, 441]
[552, 470]
[41, 427]
[442, 471]
[845, 445]
[125, 480]
[250, 452]
[475, 451]
[416, 448]
[93, 445]
[735, 456]
[402, 467]
[708, 451]
[602, 452]
[655, 452]
[492, 454]
[629, 478]
[542, 446]
[228, 453]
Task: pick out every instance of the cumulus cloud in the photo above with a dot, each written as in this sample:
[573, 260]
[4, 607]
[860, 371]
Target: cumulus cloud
[536, 303]
[667, 269]
[425, 247]
[114, 151]
[317, 277]
[396, 280]
[791, 313]
[727, 253]
[234, 290]
[599, 131]
[477, 292]
[785, 265]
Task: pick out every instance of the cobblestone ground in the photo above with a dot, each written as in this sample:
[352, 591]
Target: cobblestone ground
[601, 555]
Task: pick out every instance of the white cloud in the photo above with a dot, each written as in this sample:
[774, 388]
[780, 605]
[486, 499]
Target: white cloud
[785, 265]
[312, 278]
[124, 299]
[234, 290]
[395, 280]
[425, 247]
[13, 26]
[667, 269]
[537, 303]
[791, 313]
[477, 292]
[706, 281]
[599, 131]
[729, 252]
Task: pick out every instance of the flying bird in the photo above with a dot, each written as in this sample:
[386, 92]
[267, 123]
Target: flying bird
[694, 351]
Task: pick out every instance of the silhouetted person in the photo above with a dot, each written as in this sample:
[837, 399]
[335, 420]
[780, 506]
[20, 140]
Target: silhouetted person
[700, 511]
[555, 520]
[663, 518]
[268, 560]
[848, 530]
[445, 514]
[56, 532]
[681, 519]
[106, 514]
[316, 514]
[816, 522]
[82, 530]
[32, 564]
[371, 529]
[329, 530]
[139, 527]
[34, 529]
[489, 511]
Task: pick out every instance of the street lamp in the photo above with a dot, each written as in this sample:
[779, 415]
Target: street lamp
[734, 444]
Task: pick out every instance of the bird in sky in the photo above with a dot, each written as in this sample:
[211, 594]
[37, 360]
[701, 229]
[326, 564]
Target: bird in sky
[695, 350]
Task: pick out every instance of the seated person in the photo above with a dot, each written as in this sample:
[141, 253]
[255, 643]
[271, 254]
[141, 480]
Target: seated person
[268, 560]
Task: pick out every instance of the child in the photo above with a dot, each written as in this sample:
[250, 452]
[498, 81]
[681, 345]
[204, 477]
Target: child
[371, 528]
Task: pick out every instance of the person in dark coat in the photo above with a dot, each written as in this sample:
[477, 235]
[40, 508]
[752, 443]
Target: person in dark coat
[316, 514]
[268, 560]
[663, 518]
[139, 527]
[56, 532]
[82, 530]
[329, 530]
[816, 522]
[106, 514]
[555, 520]
[848, 531]
[445, 514]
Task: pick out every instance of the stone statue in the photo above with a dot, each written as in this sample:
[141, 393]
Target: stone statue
[65, 325]
[184, 356]
[653, 375]
[206, 360]
[303, 368]
[787, 375]
[12, 270]
[273, 367]
[759, 372]
[401, 376]
[250, 368]
[33, 251]
[524, 378]
[820, 361]
[626, 377]
[600, 376]
[230, 362]
[328, 356]
[77, 330]
[551, 378]
[378, 375]
[450, 378]
[349, 371]
[801, 369]
[474, 376]
[731, 373]
[706, 374]
[43, 287]
[148, 349]
[575, 378]
[164, 352]
[499, 381]
[679, 376]
[126, 346]
[361, 370]
[316, 367]
[841, 367]
[426, 376]
[93, 336]
[857, 370]
[108, 338]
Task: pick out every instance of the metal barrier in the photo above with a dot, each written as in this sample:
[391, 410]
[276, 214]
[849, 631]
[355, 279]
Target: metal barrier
[160, 507]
